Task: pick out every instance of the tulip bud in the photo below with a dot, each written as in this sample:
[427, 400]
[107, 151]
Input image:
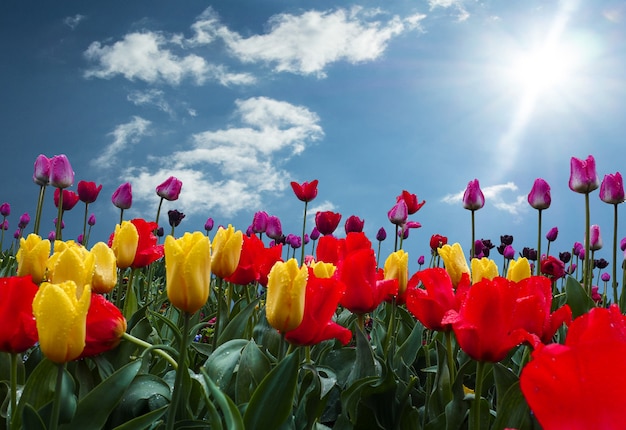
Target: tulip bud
[61, 173]
[399, 213]
[381, 234]
[454, 261]
[87, 191]
[518, 269]
[397, 267]
[583, 177]
[226, 248]
[5, 209]
[539, 196]
[170, 189]
[612, 189]
[175, 217]
[483, 268]
[123, 196]
[124, 244]
[509, 252]
[552, 234]
[208, 225]
[104, 277]
[104, 326]
[473, 197]
[32, 257]
[286, 286]
[92, 220]
[595, 240]
[354, 224]
[327, 222]
[24, 220]
[274, 229]
[41, 174]
[315, 234]
[306, 191]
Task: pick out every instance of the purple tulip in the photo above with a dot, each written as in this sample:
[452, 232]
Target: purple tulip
[315, 234]
[508, 252]
[293, 240]
[473, 197]
[612, 189]
[175, 217]
[274, 228]
[4, 225]
[41, 175]
[354, 224]
[170, 189]
[539, 196]
[565, 256]
[420, 260]
[208, 225]
[259, 222]
[5, 209]
[622, 244]
[61, 173]
[583, 177]
[382, 234]
[80, 239]
[606, 277]
[92, 220]
[552, 234]
[23, 222]
[123, 197]
[399, 213]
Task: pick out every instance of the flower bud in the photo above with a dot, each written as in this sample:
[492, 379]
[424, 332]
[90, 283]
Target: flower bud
[5, 209]
[612, 189]
[61, 173]
[473, 197]
[286, 286]
[32, 257]
[170, 189]
[226, 248]
[306, 191]
[41, 174]
[123, 196]
[539, 196]
[87, 191]
[583, 177]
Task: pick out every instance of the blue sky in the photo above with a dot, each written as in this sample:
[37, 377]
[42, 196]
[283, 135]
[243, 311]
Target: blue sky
[238, 98]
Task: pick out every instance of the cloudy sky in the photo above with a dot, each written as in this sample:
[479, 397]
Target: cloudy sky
[238, 98]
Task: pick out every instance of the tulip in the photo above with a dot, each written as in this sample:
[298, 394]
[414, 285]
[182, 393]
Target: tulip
[274, 229]
[518, 269]
[321, 297]
[431, 304]
[612, 189]
[104, 277]
[595, 239]
[306, 191]
[509, 252]
[32, 257]
[315, 234]
[124, 244]
[539, 196]
[454, 261]
[436, 242]
[226, 248]
[552, 267]
[88, 191]
[4, 225]
[60, 313]
[259, 222]
[170, 189]
[327, 222]
[552, 234]
[104, 327]
[286, 288]
[41, 174]
[483, 268]
[19, 331]
[175, 217]
[397, 267]
[399, 213]
[92, 220]
[561, 381]
[61, 173]
[208, 225]
[606, 277]
[70, 262]
[381, 234]
[5, 209]
[188, 271]
[24, 220]
[255, 261]
[354, 224]
[473, 197]
[413, 205]
[70, 199]
[122, 197]
[583, 177]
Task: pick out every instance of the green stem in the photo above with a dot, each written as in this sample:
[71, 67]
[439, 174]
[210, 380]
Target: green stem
[57, 235]
[13, 388]
[390, 329]
[85, 225]
[480, 370]
[538, 264]
[127, 309]
[473, 237]
[121, 216]
[56, 405]
[395, 243]
[587, 266]
[220, 293]
[42, 192]
[303, 233]
[158, 212]
[129, 337]
[182, 369]
[614, 278]
[450, 353]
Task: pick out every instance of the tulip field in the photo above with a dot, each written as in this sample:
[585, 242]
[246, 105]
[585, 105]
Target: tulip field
[253, 329]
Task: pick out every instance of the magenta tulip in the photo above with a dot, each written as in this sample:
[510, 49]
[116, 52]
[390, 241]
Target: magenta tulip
[583, 177]
[539, 196]
[170, 189]
[61, 173]
[41, 175]
[612, 189]
[123, 196]
[473, 197]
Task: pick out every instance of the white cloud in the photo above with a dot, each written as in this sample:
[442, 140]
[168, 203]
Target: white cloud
[73, 21]
[496, 195]
[123, 135]
[145, 56]
[151, 97]
[230, 169]
[308, 43]
[458, 5]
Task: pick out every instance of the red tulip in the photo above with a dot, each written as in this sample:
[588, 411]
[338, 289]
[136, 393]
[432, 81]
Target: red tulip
[485, 326]
[327, 222]
[552, 267]
[148, 250]
[306, 191]
[354, 224]
[19, 331]
[320, 303]
[431, 304]
[412, 204]
[88, 191]
[365, 288]
[70, 199]
[581, 385]
[104, 328]
[255, 261]
[436, 242]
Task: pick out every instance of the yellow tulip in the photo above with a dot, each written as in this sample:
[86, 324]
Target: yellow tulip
[322, 269]
[483, 268]
[454, 261]
[188, 270]
[226, 249]
[124, 244]
[32, 257]
[60, 314]
[518, 270]
[105, 270]
[397, 267]
[71, 262]
[286, 287]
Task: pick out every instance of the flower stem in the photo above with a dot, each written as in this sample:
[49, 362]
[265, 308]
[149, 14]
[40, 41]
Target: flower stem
[303, 233]
[538, 264]
[480, 370]
[473, 237]
[182, 369]
[220, 293]
[42, 192]
[85, 225]
[57, 235]
[390, 329]
[587, 266]
[451, 364]
[158, 212]
[13, 387]
[56, 405]
[129, 337]
[615, 254]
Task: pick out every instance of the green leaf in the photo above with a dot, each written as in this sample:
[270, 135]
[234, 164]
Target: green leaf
[577, 299]
[38, 391]
[365, 363]
[513, 411]
[143, 421]
[145, 394]
[253, 367]
[31, 419]
[275, 393]
[238, 324]
[232, 416]
[94, 409]
[222, 363]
